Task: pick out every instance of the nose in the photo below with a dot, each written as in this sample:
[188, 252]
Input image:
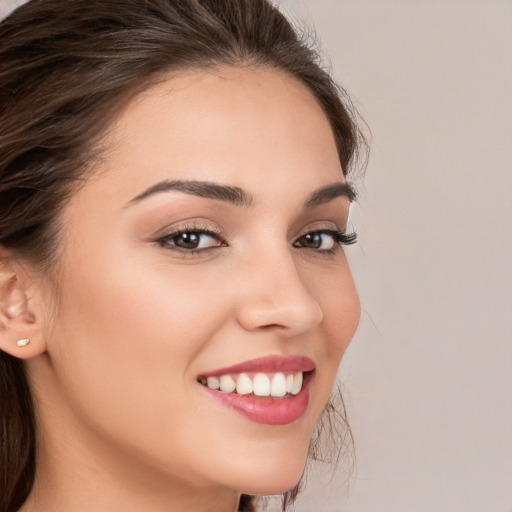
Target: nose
[274, 295]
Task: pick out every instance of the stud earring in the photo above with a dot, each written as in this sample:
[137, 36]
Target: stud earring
[23, 342]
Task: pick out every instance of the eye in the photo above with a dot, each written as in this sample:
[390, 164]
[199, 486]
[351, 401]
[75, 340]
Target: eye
[191, 240]
[325, 240]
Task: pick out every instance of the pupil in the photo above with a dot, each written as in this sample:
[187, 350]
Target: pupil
[314, 240]
[187, 240]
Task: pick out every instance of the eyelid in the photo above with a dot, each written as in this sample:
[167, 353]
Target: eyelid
[322, 226]
[200, 226]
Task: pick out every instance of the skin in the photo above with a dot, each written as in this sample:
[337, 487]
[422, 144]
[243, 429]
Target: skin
[125, 325]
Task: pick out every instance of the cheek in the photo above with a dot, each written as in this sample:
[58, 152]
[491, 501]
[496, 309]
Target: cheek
[342, 317]
[126, 340]
[335, 291]
[338, 298]
[148, 319]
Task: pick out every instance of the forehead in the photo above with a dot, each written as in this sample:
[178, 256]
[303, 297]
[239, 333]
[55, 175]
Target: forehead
[235, 123]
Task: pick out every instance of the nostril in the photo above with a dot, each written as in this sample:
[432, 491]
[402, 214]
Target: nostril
[272, 326]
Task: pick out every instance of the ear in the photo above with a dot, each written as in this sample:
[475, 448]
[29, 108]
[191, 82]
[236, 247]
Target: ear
[21, 333]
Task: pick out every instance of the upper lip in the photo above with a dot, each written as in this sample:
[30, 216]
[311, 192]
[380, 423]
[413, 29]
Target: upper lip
[267, 364]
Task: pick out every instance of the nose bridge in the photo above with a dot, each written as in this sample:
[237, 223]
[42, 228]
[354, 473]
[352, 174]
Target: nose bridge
[275, 294]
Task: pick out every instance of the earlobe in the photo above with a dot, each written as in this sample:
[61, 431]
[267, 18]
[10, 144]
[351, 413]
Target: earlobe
[20, 332]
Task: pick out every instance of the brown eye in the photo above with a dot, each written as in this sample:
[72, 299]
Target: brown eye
[187, 240]
[320, 240]
[311, 240]
[191, 240]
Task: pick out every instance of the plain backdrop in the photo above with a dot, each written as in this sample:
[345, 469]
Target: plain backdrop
[427, 379]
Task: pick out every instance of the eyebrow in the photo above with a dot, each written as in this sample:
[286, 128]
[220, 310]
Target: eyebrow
[205, 189]
[330, 192]
[238, 196]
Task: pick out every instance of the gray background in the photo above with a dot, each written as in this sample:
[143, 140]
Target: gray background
[427, 378]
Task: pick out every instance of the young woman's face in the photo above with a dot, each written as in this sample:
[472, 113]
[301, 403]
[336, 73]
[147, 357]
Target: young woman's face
[205, 248]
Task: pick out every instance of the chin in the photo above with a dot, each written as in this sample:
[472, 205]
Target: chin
[279, 484]
[271, 476]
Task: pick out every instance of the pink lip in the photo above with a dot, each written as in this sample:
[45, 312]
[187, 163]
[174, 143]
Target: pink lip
[267, 410]
[267, 364]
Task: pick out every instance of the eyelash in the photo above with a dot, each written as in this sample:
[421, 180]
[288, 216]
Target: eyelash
[168, 241]
[339, 238]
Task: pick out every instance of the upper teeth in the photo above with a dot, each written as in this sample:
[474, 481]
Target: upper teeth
[261, 384]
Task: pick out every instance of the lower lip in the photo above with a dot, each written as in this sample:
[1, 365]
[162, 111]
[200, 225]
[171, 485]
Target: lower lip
[266, 410]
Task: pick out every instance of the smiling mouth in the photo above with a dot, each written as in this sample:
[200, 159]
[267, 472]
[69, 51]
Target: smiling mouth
[272, 390]
[275, 385]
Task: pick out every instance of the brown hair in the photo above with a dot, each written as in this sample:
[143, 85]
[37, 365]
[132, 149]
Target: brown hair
[64, 73]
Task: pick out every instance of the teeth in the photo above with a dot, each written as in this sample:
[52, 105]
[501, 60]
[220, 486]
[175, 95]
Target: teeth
[278, 385]
[289, 383]
[243, 385]
[213, 383]
[297, 383]
[227, 384]
[261, 384]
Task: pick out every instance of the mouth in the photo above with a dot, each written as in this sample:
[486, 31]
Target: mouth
[272, 390]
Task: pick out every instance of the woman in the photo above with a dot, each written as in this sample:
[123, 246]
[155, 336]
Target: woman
[175, 300]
